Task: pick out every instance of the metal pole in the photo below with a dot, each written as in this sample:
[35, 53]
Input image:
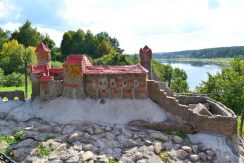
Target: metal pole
[26, 82]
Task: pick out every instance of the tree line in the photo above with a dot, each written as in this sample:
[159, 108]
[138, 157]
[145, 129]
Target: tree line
[221, 52]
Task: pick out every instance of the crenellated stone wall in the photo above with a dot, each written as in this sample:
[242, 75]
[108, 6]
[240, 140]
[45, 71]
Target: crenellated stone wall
[225, 123]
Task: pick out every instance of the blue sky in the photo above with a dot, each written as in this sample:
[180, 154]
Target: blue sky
[164, 25]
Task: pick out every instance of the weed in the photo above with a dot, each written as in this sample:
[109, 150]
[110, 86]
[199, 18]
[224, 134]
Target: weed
[43, 151]
[164, 156]
[112, 160]
[181, 134]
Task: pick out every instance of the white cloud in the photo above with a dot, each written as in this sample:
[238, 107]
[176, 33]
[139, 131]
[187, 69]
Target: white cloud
[163, 25]
[11, 26]
[8, 10]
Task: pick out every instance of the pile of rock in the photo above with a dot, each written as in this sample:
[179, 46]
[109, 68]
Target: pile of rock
[94, 143]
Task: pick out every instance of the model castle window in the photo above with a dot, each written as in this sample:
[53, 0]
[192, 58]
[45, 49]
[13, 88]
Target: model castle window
[79, 78]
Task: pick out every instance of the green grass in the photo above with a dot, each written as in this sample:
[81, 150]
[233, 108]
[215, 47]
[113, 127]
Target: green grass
[238, 125]
[164, 156]
[43, 151]
[29, 90]
[219, 61]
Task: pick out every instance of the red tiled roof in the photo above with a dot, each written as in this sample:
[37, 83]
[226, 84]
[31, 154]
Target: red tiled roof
[46, 78]
[56, 70]
[74, 59]
[130, 69]
[42, 48]
[38, 69]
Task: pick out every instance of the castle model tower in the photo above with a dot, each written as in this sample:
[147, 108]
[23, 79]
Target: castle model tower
[145, 59]
[43, 55]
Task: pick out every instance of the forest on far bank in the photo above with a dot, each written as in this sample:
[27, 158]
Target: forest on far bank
[220, 52]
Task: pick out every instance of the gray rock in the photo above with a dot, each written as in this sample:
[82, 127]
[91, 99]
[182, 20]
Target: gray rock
[68, 129]
[210, 153]
[125, 160]
[21, 153]
[90, 130]
[194, 157]
[77, 146]
[187, 149]
[131, 151]
[109, 136]
[87, 155]
[130, 143]
[126, 132]
[157, 135]
[168, 145]
[155, 159]
[177, 139]
[122, 139]
[157, 147]
[202, 156]
[108, 129]
[97, 130]
[203, 147]
[74, 137]
[181, 154]
[136, 156]
[88, 147]
[27, 143]
[36, 135]
[73, 159]
[194, 148]
[142, 161]
[148, 142]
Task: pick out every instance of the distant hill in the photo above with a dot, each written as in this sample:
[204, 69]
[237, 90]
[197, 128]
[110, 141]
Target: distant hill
[221, 52]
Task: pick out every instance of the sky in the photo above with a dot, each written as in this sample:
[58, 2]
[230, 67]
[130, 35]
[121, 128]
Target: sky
[163, 25]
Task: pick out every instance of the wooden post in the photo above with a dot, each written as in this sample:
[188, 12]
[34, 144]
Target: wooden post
[242, 119]
[26, 81]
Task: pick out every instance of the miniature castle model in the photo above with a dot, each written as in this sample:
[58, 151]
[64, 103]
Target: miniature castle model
[79, 78]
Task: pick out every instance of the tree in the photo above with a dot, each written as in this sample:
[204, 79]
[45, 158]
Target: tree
[179, 85]
[95, 46]
[27, 35]
[4, 37]
[176, 78]
[227, 86]
[13, 55]
[179, 73]
[113, 59]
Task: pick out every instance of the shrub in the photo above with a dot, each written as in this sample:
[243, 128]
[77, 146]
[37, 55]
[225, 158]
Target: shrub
[14, 79]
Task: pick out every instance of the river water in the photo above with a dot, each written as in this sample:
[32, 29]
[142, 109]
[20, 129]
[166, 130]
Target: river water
[196, 71]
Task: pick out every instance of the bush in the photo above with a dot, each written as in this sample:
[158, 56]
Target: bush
[14, 79]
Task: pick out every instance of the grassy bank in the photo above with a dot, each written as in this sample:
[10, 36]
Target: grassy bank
[18, 88]
[219, 61]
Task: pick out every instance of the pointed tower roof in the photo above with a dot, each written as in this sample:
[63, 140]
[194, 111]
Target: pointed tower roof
[42, 48]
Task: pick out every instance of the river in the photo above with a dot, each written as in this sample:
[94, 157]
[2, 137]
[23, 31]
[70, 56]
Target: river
[196, 71]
